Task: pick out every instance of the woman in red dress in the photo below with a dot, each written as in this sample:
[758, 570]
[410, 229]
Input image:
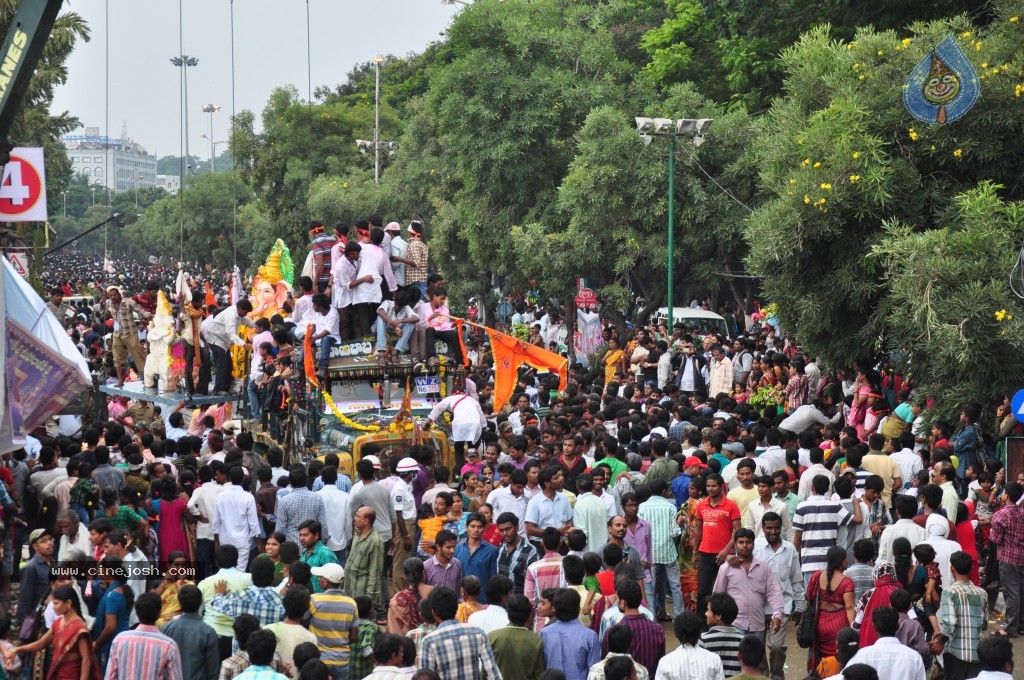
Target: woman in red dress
[836, 606]
[172, 512]
[404, 609]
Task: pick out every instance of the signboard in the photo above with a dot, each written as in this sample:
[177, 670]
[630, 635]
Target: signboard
[20, 262]
[428, 385]
[1017, 404]
[23, 187]
[586, 298]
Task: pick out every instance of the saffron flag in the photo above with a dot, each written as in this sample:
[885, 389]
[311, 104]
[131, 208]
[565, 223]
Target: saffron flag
[210, 299]
[510, 353]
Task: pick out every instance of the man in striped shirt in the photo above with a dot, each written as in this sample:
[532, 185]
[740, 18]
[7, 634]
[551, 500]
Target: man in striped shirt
[334, 619]
[456, 651]
[816, 526]
[145, 652]
[515, 553]
[648, 643]
[722, 637]
[544, 573]
[660, 512]
[689, 661]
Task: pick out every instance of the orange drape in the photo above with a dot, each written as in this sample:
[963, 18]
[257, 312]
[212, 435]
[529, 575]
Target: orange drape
[510, 353]
[210, 299]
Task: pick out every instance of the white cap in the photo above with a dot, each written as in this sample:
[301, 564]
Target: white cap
[373, 459]
[407, 465]
[331, 571]
[393, 226]
[659, 431]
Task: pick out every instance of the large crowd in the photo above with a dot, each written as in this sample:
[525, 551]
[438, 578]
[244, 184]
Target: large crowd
[722, 484]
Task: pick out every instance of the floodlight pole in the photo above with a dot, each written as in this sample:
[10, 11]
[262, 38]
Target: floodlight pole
[671, 222]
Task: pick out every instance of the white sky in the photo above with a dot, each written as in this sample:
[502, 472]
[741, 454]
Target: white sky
[270, 50]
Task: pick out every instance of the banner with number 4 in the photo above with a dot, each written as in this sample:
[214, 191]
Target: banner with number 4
[23, 187]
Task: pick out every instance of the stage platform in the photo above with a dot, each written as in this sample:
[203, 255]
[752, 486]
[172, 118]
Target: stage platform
[135, 390]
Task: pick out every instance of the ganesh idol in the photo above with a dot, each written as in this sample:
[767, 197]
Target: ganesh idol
[273, 283]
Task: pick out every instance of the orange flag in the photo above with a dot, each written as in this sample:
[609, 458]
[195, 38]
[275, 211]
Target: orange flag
[210, 299]
[307, 360]
[510, 353]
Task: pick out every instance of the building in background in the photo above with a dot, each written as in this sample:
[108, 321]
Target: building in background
[170, 183]
[117, 164]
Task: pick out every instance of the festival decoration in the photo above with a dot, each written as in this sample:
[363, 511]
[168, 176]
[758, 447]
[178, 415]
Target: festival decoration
[160, 335]
[344, 420]
[943, 86]
[273, 282]
[511, 353]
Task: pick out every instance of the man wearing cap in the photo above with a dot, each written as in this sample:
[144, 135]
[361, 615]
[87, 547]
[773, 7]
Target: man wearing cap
[35, 575]
[681, 484]
[399, 250]
[417, 269]
[402, 473]
[126, 333]
[334, 619]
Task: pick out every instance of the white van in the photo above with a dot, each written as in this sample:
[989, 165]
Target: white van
[703, 320]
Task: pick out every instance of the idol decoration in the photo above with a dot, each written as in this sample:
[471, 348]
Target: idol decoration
[943, 86]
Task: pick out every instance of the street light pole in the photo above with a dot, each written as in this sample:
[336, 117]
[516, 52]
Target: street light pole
[94, 195]
[667, 127]
[671, 227]
[64, 194]
[138, 178]
[212, 109]
[184, 62]
[377, 61]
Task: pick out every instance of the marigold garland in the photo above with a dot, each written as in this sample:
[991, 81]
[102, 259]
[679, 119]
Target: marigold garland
[346, 421]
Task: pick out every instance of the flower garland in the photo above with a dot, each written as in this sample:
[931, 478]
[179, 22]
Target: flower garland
[442, 388]
[346, 421]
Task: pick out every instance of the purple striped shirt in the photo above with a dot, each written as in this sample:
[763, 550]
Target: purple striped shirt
[447, 576]
[648, 644]
[144, 653]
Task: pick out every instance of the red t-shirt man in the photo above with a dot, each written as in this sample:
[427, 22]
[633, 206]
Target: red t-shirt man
[717, 523]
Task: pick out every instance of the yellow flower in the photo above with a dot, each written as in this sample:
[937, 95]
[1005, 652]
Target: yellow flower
[826, 185]
[854, 179]
[1014, 20]
[806, 161]
[1017, 90]
[790, 193]
[977, 46]
[856, 66]
[995, 71]
[860, 77]
[913, 135]
[984, 64]
[1000, 315]
[344, 185]
[880, 52]
[959, 153]
[807, 199]
[933, 147]
[817, 165]
[821, 201]
[792, 181]
[799, 141]
[906, 41]
[965, 34]
[856, 154]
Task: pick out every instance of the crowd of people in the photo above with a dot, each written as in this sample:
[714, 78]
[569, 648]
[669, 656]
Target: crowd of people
[723, 485]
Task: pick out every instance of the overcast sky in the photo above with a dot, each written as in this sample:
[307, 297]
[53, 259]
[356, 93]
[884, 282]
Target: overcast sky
[270, 50]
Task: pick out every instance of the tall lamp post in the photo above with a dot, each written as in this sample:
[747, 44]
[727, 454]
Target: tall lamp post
[64, 195]
[138, 178]
[377, 144]
[211, 109]
[667, 127]
[184, 62]
[213, 150]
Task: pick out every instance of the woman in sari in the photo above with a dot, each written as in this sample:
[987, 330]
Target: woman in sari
[868, 382]
[170, 508]
[169, 587]
[272, 548]
[833, 590]
[686, 518]
[886, 583]
[614, 360]
[72, 656]
[404, 609]
[491, 533]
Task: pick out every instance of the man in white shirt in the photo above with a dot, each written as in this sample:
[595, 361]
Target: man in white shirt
[202, 504]
[784, 561]
[511, 499]
[374, 267]
[689, 661]
[494, 616]
[399, 250]
[302, 310]
[221, 334]
[906, 510]
[902, 452]
[817, 458]
[888, 655]
[400, 484]
[235, 521]
[325, 328]
[338, 512]
[809, 415]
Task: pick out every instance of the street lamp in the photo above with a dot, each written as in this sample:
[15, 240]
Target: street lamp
[452, 2]
[93, 189]
[667, 127]
[213, 150]
[184, 62]
[376, 144]
[211, 109]
[137, 180]
[64, 195]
